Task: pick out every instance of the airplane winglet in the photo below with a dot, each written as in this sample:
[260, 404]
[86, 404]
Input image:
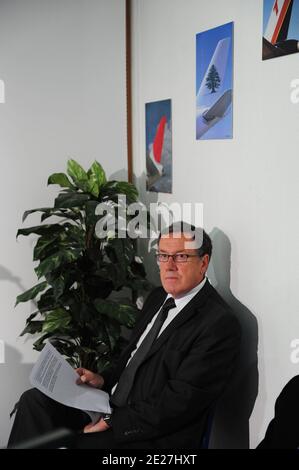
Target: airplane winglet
[218, 109]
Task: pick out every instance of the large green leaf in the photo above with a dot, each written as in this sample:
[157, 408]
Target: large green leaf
[71, 200]
[97, 170]
[123, 314]
[41, 230]
[33, 327]
[78, 175]
[47, 301]
[55, 261]
[41, 209]
[76, 216]
[58, 320]
[72, 238]
[48, 265]
[93, 186]
[33, 315]
[58, 285]
[75, 236]
[61, 179]
[31, 293]
[96, 178]
[44, 247]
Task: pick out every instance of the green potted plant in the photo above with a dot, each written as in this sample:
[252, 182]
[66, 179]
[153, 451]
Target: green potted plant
[80, 269]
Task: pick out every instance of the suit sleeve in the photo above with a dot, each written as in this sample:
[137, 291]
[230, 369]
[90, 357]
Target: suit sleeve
[198, 382]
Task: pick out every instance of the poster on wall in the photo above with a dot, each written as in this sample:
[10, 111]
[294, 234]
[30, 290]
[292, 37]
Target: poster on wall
[158, 146]
[280, 28]
[214, 83]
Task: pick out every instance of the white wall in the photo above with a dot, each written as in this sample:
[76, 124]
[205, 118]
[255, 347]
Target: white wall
[63, 64]
[248, 185]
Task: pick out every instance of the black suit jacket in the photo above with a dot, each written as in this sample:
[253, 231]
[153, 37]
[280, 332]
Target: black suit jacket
[282, 432]
[182, 376]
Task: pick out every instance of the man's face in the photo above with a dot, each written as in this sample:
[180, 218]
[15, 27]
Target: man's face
[179, 278]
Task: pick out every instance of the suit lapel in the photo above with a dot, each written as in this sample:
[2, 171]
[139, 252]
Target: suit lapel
[151, 309]
[152, 306]
[183, 316]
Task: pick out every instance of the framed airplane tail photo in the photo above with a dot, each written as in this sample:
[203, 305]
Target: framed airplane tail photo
[214, 83]
[280, 28]
[158, 146]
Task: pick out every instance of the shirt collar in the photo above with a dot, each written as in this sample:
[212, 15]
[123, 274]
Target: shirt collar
[189, 295]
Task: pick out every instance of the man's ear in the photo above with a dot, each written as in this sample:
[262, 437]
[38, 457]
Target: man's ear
[205, 263]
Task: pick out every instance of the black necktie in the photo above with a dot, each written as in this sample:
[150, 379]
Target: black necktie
[121, 393]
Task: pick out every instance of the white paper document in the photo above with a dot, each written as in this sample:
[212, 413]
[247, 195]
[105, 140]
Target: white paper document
[55, 377]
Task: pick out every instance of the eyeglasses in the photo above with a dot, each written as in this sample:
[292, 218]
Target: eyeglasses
[177, 258]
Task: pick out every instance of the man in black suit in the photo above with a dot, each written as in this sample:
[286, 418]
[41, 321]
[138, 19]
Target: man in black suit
[175, 367]
[282, 432]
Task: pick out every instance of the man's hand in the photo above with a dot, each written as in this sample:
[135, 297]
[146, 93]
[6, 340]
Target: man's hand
[89, 378]
[100, 426]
